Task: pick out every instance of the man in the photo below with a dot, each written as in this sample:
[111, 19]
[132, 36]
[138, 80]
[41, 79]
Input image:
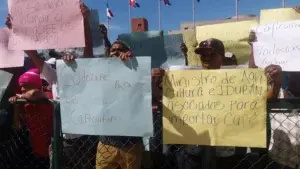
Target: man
[119, 151]
[212, 55]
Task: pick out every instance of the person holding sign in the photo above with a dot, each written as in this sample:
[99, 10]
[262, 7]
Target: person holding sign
[212, 56]
[72, 143]
[119, 151]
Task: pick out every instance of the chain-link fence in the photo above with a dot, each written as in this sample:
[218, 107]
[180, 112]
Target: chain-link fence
[24, 148]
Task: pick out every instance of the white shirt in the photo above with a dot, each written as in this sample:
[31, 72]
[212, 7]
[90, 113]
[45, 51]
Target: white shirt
[49, 74]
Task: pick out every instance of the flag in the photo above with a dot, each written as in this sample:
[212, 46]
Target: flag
[166, 2]
[108, 12]
[134, 4]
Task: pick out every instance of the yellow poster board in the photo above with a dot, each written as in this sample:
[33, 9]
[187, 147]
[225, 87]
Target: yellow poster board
[215, 107]
[234, 36]
[190, 41]
[268, 16]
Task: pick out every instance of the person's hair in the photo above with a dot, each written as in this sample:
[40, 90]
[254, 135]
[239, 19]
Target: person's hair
[126, 47]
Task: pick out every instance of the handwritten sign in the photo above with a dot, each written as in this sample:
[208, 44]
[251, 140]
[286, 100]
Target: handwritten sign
[46, 24]
[191, 43]
[164, 50]
[283, 53]
[234, 36]
[5, 80]
[278, 31]
[268, 16]
[105, 96]
[179, 67]
[9, 58]
[215, 107]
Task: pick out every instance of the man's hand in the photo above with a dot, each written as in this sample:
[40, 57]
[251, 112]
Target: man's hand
[68, 58]
[102, 28]
[252, 38]
[275, 73]
[125, 56]
[85, 11]
[184, 49]
[8, 21]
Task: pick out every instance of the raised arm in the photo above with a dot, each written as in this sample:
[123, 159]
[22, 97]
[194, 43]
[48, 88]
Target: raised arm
[103, 30]
[88, 50]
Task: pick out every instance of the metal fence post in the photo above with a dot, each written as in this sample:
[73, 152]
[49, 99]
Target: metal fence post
[57, 141]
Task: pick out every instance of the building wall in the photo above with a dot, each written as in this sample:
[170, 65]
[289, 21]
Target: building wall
[189, 26]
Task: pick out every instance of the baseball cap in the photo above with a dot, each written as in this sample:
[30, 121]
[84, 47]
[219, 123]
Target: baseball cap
[211, 44]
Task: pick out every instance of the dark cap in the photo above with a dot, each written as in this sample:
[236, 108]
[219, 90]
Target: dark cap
[211, 44]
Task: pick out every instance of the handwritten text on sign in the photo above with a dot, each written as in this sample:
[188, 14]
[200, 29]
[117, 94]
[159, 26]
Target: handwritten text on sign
[283, 53]
[105, 96]
[278, 31]
[215, 107]
[46, 24]
[234, 36]
[9, 58]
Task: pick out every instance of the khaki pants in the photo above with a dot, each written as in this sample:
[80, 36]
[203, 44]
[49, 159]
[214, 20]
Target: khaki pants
[110, 157]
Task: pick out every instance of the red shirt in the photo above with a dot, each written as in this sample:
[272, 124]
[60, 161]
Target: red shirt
[39, 121]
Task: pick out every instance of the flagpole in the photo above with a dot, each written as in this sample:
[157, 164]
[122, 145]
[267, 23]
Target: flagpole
[159, 17]
[108, 27]
[237, 9]
[194, 22]
[129, 15]
[283, 3]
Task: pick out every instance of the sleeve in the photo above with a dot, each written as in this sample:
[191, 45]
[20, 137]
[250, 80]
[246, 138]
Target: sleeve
[49, 74]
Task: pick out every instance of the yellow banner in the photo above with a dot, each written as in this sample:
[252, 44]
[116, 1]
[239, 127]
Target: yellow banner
[269, 16]
[215, 107]
[234, 36]
[190, 41]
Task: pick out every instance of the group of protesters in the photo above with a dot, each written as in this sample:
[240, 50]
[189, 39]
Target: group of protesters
[26, 129]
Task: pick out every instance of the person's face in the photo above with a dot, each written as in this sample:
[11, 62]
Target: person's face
[26, 87]
[211, 59]
[116, 50]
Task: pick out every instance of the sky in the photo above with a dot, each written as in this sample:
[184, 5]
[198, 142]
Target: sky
[171, 16]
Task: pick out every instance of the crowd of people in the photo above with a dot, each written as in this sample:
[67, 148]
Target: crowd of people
[26, 129]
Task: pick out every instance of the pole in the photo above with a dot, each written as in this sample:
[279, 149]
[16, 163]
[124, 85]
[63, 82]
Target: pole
[159, 17]
[129, 15]
[194, 22]
[108, 27]
[107, 22]
[237, 9]
[283, 3]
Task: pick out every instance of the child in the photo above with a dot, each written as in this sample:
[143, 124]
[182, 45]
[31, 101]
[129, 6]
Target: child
[38, 118]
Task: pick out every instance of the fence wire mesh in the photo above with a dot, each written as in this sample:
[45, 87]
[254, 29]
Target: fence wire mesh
[93, 152]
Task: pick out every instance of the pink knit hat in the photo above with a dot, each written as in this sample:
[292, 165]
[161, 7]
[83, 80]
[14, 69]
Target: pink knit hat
[32, 77]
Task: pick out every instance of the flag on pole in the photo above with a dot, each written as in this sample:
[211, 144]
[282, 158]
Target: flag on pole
[109, 12]
[134, 4]
[166, 2]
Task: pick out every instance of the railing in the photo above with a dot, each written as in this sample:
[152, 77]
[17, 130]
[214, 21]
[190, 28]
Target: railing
[82, 152]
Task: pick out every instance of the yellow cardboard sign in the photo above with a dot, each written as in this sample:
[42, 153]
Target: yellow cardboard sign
[268, 16]
[190, 41]
[215, 107]
[234, 36]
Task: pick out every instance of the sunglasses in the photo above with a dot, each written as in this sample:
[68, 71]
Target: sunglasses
[205, 44]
